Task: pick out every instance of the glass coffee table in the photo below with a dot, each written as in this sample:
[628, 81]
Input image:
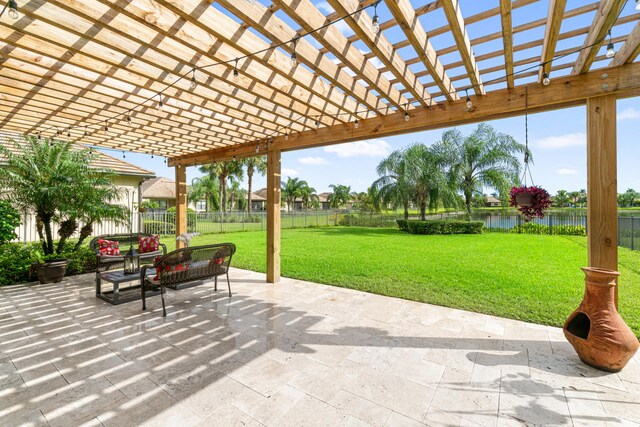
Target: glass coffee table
[118, 295]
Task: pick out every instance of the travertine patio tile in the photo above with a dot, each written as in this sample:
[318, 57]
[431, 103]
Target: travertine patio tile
[296, 353]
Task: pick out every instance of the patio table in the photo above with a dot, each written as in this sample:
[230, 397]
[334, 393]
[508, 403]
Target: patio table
[116, 278]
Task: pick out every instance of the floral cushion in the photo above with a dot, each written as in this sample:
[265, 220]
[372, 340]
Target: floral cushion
[148, 244]
[108, 247]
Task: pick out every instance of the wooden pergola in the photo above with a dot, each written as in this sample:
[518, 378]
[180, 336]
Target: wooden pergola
[96, 71]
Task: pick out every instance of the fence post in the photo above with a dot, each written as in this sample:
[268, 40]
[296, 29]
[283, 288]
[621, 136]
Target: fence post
[632, 233]
[550, 225]
[519, 221]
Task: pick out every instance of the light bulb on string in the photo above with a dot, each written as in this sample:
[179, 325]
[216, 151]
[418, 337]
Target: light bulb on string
[86, 132]
[545, 79]
[469, 103]
[236, 73]
[152, 154]
[637, 4]
[356, 123]
[39, 135]
[106, 128]
[194, 82]
[13, 9]
[69, 133]
[286, 136]
[317, 124]
[375, 24]
[611, 50]
[128, 119]
[123, 155]
[294, 55]
[258, 148]
[165, 160]
[160, 103]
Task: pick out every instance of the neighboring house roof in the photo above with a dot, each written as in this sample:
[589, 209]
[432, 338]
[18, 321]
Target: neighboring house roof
[159, 188]
[259, 195]
[492, 199]
[323, 197]
[101, 161]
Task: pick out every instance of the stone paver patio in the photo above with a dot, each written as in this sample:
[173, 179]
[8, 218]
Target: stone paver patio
[295, 354]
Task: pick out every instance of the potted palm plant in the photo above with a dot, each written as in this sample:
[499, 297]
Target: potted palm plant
[55, 181]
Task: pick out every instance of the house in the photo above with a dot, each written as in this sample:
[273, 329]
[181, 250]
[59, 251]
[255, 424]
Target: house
[492, 202]
[161, 191]
[258, 200]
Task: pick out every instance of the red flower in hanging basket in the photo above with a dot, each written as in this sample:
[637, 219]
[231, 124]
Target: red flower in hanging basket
[530, 201]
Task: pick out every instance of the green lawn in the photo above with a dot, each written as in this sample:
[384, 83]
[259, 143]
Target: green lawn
[528, 277]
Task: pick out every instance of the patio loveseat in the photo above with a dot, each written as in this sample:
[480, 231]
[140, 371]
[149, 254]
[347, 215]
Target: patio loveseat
[125, 241]
[186, 267]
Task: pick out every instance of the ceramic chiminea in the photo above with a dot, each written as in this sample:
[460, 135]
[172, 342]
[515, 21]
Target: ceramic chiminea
[595, 330]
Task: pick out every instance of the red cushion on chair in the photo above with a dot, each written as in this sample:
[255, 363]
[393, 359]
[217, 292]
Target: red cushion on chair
[148, 244]
[108, 247]
[218, 261]
[170, 268]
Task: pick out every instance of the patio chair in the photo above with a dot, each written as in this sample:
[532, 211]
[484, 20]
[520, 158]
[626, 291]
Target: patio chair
[125, 241]
[187, 266]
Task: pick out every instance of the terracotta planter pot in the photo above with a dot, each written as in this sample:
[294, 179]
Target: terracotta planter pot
[51, 272]
[524, 199]
[595, 330]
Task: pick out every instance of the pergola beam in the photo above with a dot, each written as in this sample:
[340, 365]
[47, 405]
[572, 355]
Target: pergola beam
[629, 50]
[605, 17]
[551, 33]
[623, 81]
[507, 37]
[459, 31]
[405, 15]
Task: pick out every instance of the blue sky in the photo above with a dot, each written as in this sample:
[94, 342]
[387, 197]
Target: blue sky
[558, 138]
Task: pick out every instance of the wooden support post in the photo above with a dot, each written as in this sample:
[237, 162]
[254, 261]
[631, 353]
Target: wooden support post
[181, 203]
[602, 189]
[273, 216]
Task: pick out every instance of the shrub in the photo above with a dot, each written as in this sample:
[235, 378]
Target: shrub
[402, 223]
[444, 227]
[364, 220]
[159, 227]
[15, 263]
[9, 221]
[560, 230]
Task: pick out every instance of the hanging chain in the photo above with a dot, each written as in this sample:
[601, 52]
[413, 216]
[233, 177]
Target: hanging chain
[526, 139]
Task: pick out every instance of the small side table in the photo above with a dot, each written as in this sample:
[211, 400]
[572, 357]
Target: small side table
[117, 295]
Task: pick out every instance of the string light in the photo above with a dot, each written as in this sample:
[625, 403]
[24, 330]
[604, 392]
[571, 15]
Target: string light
[106, 128]
[545, 79]
[12, 5]
[128, 119]
[152, 154]
[86, 132]
[58, 132]
[160, 103]
[258, 148]
[236, 74]
[39, 134]
[406, 113]
[356, 124]
[611, 50]
[294, 55]
[123, 155]
[637, 4]
[375, 25]
[194, 82]
[469, 103]
[69, 132]
[286, 136]
[317, 124]
[165, 160]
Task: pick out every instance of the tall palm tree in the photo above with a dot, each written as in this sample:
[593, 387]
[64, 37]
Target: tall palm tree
[393, 187]
[224, 171]
[291, 189]
[253, 165]
[340, 196]
[308, 196]
[484, 158]
[237, 195]
[562, 198]
[205, 187]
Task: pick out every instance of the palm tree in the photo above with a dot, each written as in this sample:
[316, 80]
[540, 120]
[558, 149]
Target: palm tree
[237, 195]
[484, 158]
[254, 164]
[340, 196]
[393, 187]
[426, 172]
[562, 198]
[224, 171]
[308, 196]
[57, 184]
[291, 189]
[205, 187]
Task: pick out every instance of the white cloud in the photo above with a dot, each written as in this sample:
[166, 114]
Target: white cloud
[340, 25]
[369, 148]
[313, 161]
[289, 172]
[561, 141]
[629, 114]
[567, 171]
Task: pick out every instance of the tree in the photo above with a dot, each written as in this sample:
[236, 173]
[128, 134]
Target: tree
[340, 196]
[479, 200]
[628, 198]
[224, 171]
[237, 195]
[292, 189]
[253, 165]
[484, 158]
[393, 187]
[426, 170]
[561, 199]
[308, 197]
[205, 187]
[574, 197]
[56, 183]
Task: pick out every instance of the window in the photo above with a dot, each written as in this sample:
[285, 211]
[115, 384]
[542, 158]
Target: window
[162, 204]
[201, 205]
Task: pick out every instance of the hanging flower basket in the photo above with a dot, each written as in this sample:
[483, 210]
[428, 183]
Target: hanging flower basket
[530, 201]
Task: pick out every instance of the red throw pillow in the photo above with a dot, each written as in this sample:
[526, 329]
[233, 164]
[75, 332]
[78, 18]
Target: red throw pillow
[108, 247]
[148, 244]
[218, 261]
[170, 268]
